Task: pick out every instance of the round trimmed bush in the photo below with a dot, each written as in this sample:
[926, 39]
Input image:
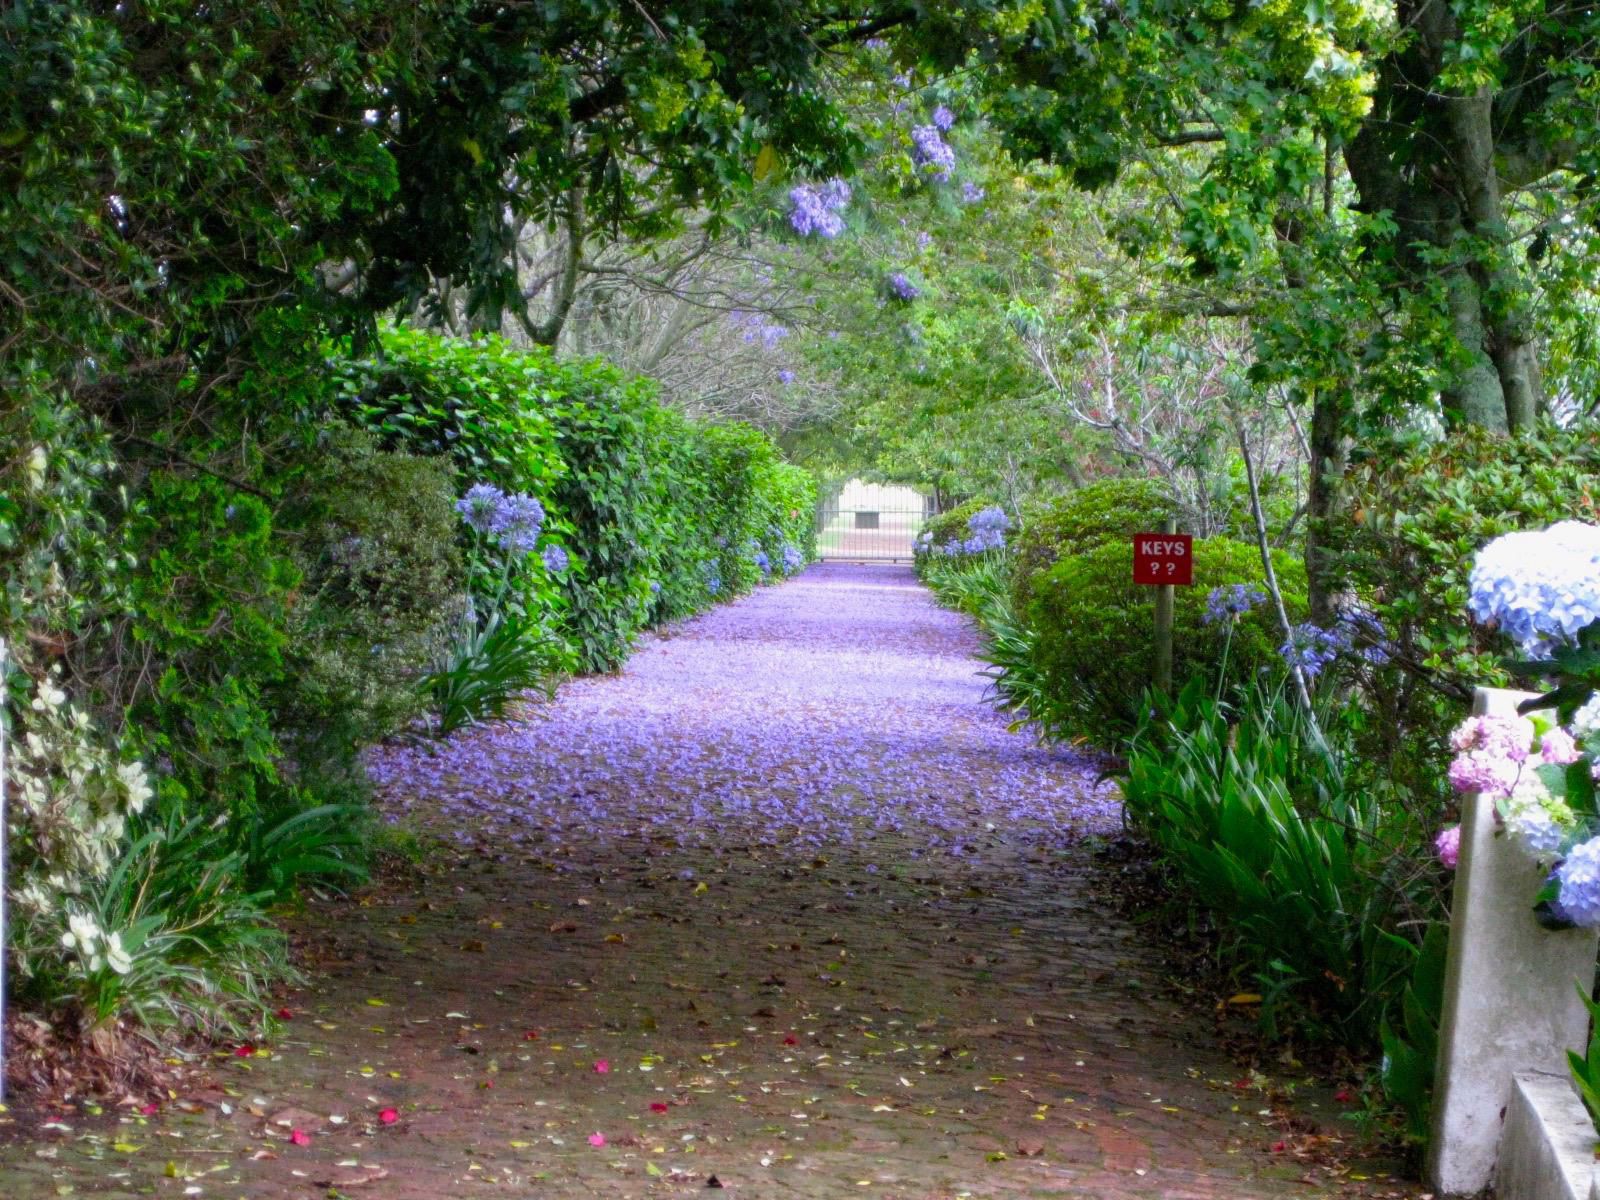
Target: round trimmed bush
[1095, 631]
[1080, 520]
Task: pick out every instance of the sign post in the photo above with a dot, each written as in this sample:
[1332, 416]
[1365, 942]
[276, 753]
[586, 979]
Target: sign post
[1163, 560]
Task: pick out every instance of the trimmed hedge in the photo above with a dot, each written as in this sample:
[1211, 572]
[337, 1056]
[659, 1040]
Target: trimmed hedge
[662, 515]
[1081, 519]
[1094, 628]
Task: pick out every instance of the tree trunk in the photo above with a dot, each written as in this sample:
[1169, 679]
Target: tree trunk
[1329, 457]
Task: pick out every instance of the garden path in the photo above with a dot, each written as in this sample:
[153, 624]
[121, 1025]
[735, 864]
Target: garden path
[782, 908]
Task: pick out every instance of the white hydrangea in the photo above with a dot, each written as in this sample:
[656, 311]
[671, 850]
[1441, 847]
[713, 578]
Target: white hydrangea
[1539, 821]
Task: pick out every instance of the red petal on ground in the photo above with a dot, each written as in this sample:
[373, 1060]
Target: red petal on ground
[300, 1137]
[389, 1116]
[658, 1107]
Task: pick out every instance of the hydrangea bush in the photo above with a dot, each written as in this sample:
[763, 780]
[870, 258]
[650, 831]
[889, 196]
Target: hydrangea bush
[1542, 589]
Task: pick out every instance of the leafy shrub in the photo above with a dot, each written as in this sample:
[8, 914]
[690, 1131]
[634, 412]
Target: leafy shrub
[951, 525]
[194, 947]
[1301, 872]
[1081, 520]
[1095, 645]
[486, 667]
[211, 612]
[1418, 519]
[373, 535]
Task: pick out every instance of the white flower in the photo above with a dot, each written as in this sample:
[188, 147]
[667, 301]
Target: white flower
[1586, 721]
[135, 783]
[117, 958]
[1538, 820]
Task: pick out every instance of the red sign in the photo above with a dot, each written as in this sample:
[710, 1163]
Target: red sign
[1163, 558]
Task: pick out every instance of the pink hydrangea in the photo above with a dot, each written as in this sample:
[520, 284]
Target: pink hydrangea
[1558, 748]
[1503, 737]
[1448, 846]
[1481, 771]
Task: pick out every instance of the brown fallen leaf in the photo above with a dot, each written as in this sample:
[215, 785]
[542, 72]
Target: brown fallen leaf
[474, 945]
[354, 1178]
[563, 927]
[1030, 1148]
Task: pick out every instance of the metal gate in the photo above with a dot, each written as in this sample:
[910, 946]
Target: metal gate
[863, 530]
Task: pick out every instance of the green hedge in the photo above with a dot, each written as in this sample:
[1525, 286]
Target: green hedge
[1070, 524]
[661, 514]
[1094, 631]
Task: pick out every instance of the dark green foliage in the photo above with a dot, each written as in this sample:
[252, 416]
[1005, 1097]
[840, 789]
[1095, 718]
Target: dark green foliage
[1065, 525]
[1300, 872]
[1410, 1035]
[211, 614]
[1419, 518]
[373, 534]
[1095, 647]
[486, 667]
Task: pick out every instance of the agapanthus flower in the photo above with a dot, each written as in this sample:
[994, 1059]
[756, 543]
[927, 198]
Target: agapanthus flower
[932, 153]
[479, 506]
[1579, 877]
[1539, 587]
[1448, 846]
[555, 559]
[518, 521]
[1313, 648]
[1231, 600]
[943, 119]
[971, 193]
[1364, 633]
[786, 376]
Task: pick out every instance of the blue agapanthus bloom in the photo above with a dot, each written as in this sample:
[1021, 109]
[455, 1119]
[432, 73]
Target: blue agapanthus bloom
[987, 530]
[762, 561]
[517, 523]
[1542, 587]
[1579, 875]
[555, 559]
[479, 506]
[655, 587]
[1313, 648]
[1231, 600]
[900, 284]
[1365, 635]
[943, 119]
[713, 579]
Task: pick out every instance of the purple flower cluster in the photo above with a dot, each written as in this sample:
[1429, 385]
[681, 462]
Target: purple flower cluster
[1579, 876]
[1313, 648]
[971, 193]
[817, 208]
[1542, 587]
[900, 284]
[514, 521]
[758, 327]
[933, 155]
[943, 119]
[555, 559]
[1231, 600]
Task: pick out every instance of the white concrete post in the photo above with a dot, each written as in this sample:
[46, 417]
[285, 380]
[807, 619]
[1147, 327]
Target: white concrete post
[1509, 1000]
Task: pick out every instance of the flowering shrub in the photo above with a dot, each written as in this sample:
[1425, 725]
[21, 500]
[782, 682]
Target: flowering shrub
[1542, 589]
[932, 155]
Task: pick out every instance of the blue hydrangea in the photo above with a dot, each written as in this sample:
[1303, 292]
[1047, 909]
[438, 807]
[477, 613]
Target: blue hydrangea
[479, 506]
[793, 560]
[900, 284]
[1231, 600]
[932, 153]
[762, 561]
[943, 119]
[1579, 876]
[555, 559]
[1541, 588]
[815, 209]
[1313, 648]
